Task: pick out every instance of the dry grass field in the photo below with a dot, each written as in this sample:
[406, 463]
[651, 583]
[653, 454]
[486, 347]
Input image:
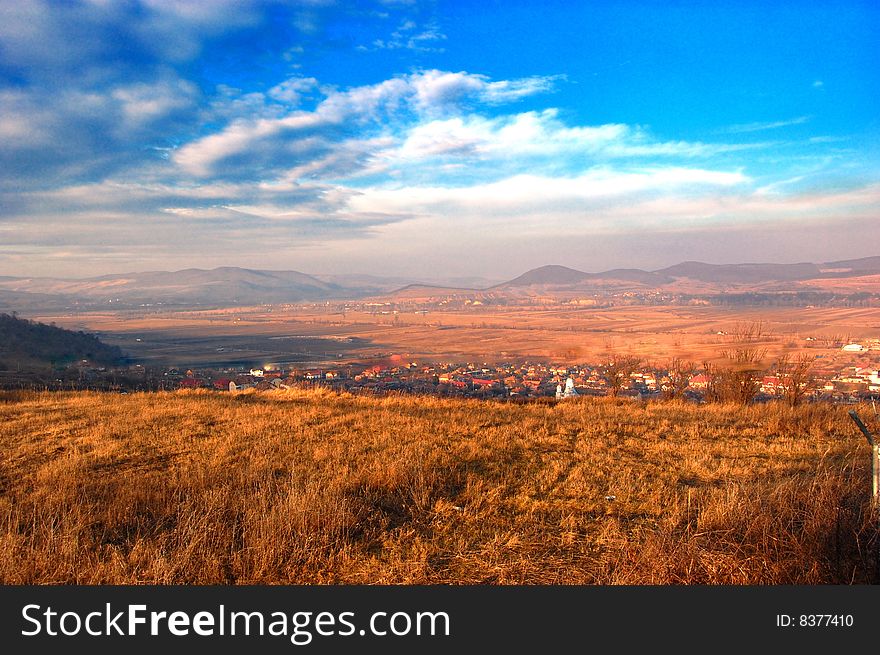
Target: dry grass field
[313, 487]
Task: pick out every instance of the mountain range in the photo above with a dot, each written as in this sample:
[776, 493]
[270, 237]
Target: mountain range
[229, 286]
[719, 274]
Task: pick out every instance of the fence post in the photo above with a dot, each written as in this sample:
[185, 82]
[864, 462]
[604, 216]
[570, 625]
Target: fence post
[875, 456]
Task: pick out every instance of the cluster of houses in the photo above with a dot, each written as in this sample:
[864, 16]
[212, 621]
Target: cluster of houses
[511, 380]
[855, 378]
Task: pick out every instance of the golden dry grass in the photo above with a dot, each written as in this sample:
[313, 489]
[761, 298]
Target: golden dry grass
[313, 487]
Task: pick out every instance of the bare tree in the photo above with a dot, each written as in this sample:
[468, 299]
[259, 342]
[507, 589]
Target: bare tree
[749, 331]
[834, 340]
[738, 378]
[678, 375]
[795, 377]
[618, 370]
[712, 373]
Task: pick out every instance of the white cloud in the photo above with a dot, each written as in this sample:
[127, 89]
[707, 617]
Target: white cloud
[506, 91]
[541, 134]
[520, 134]
[415, 119]
[97, 92]
[523, 195]
[257, 140]
[143, 103]
[23, 123]
[271, 141]
[76, 40]
[435, 90]
[441, 90]
[291, 91]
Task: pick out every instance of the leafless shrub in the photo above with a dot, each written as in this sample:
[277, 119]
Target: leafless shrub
[749, 331]
[795, 378]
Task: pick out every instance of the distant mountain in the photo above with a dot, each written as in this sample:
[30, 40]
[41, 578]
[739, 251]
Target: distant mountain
[468, 282]
[365, 284]
[558, 276]
[741, 273]
[552, 274]
[863, 266]
[759, 273]
[23, 301]
[374, 284]
[427, 291]
[27, 344]
[226, 285]
[633, 275]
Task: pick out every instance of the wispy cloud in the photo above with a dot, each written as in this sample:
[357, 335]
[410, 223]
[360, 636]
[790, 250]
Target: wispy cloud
[772, 125]
[409, 36]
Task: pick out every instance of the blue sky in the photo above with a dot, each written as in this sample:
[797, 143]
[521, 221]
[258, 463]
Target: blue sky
[435, 138]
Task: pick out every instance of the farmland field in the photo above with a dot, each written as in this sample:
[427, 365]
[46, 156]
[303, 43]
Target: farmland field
[561, 333]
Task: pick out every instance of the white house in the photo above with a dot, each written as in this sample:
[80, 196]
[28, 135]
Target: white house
[569, 389]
